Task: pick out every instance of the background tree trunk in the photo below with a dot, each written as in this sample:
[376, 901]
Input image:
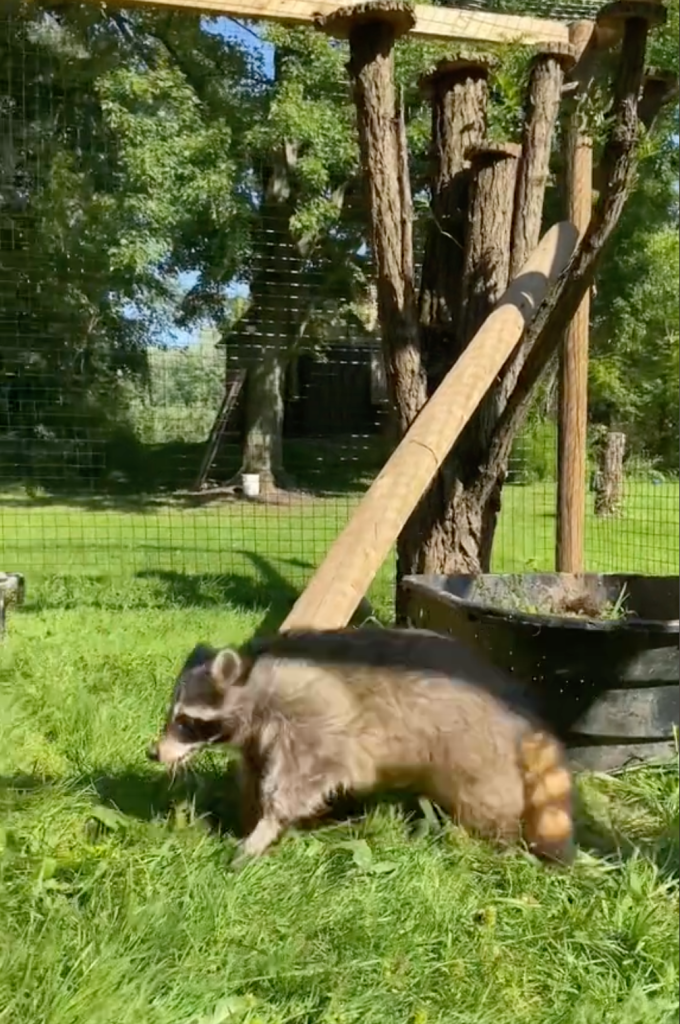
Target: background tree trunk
[265, 338]
[263, 431]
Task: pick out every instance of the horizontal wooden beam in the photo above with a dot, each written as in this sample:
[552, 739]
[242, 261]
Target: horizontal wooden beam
[432, 23]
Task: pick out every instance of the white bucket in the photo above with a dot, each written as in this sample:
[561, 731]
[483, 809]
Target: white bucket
[251, 485]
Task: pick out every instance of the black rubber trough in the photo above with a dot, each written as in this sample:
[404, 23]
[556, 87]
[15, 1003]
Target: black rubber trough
[608, 644]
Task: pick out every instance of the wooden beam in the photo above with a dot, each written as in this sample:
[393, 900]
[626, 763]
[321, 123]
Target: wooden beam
[432, 23]
[343, 577]
[573, 376]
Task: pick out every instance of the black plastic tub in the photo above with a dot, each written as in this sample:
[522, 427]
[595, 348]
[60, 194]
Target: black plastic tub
[618, 677]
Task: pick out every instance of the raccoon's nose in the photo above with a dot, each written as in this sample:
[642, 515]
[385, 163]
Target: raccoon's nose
[152, 752]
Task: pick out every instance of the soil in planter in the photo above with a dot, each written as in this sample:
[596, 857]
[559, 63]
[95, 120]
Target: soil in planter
[568, 603]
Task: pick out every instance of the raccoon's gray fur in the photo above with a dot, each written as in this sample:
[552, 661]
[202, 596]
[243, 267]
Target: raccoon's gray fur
[320, 713]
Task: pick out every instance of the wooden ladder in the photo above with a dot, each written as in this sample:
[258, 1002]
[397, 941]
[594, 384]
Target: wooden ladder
[229, 400]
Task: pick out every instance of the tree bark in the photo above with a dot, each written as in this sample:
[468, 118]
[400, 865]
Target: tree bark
[609, 479]
[541, 112]
[458, 93]
[266, 337]
[372, 68]
[456, 532]
[382, 139]
[263, 434]
[486, 265]
[547, 329]
[458, 96]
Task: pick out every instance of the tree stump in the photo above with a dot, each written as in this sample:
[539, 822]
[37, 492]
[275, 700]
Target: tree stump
[609, 479]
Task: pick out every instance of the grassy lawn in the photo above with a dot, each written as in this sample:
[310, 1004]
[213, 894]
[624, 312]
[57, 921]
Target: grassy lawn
[261, 552]
[117, 905]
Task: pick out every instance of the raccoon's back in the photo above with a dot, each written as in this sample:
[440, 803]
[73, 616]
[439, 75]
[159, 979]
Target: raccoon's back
[358, 654]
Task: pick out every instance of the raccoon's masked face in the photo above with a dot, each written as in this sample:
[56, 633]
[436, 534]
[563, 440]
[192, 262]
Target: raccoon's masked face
[198, 714]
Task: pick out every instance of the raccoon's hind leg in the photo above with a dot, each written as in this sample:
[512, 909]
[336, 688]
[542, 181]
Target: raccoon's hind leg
[548, 810]
[489, 804]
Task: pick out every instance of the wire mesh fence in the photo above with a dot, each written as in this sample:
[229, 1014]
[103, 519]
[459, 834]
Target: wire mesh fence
[191, 386]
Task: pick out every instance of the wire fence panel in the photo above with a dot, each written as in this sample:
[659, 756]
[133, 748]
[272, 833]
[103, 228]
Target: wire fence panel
[192, 394]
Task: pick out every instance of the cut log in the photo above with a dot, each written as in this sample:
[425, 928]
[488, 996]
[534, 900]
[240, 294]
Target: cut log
[542, 107]
[487, 250]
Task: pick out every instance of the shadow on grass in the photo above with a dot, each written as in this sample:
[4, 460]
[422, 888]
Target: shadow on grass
[212, 792]
[143, 477]
[267, 590]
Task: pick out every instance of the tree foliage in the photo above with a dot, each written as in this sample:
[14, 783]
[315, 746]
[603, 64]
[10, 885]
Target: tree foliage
[141, 149]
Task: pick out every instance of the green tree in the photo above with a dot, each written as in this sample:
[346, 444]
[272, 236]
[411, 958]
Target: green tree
[634, 378]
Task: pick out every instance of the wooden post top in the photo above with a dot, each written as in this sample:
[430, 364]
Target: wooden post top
[341, 23]
[450, 70]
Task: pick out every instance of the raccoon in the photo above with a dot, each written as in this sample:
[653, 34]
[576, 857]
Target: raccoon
[320, 714]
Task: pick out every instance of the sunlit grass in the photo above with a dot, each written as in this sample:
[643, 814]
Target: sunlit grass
[117, 905]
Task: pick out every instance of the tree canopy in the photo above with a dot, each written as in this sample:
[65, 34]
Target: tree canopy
[142, 150]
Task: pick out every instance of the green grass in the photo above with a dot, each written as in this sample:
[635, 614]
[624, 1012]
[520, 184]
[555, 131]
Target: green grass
[260, 550]
[117, 905]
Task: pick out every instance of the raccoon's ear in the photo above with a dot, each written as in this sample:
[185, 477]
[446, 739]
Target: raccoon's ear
[227, 668]
[202, 654]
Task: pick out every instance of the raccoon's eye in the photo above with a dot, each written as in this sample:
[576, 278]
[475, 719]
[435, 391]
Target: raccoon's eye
[185, 729]
[194, 730]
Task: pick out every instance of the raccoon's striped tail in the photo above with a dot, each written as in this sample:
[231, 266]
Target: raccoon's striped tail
[548, 806]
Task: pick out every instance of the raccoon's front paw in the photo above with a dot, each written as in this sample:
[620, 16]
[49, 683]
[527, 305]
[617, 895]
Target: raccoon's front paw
[241, 857]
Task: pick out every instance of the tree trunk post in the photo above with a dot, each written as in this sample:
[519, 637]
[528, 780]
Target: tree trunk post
[458, 94]
[372, 29]
[609, 479]
[486, 267]
[541, 110]
[572, 427]
[456, 533]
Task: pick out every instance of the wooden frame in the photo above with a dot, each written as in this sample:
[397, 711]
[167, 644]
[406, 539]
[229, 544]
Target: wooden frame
[432, 23]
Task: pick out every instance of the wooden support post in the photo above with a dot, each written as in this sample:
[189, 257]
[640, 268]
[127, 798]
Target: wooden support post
[573, 375]
[372, 30]
[458, 94]
[542, 107]
[352, 562]
[487, 249]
